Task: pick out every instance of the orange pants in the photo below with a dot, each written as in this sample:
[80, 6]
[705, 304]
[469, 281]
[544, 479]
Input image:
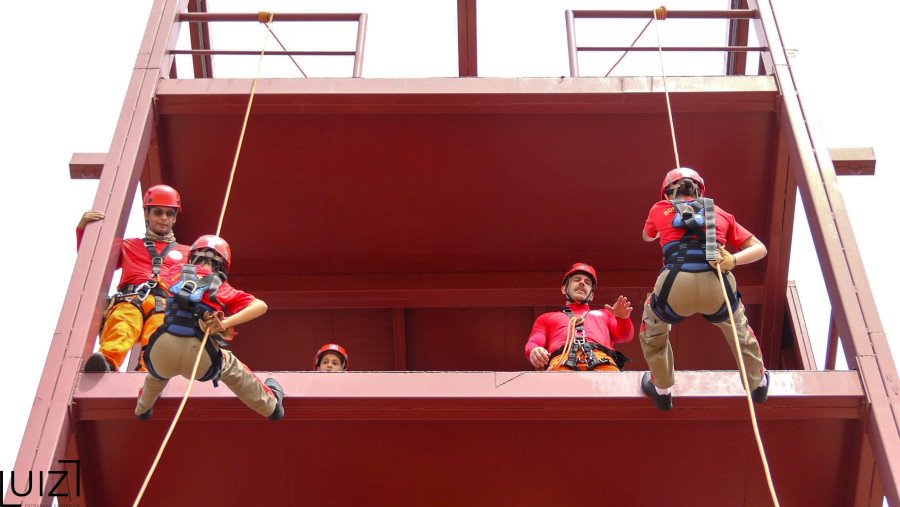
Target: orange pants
[125, 325]
[556, 364]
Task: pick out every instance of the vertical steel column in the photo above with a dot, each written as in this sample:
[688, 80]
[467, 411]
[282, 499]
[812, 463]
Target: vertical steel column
[573, 49]
[48, 435]
[360, 44]
[831, 348]
[853, 306]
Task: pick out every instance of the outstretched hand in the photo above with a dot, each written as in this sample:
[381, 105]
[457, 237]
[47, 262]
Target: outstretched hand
[621, 308]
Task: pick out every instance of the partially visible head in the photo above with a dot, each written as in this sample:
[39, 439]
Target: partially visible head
[161, 206]
[331, 357]
[212, 251]
[578, 283]
[682, 182]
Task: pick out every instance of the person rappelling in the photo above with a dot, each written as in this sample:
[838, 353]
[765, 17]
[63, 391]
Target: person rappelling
[201, 299]
[692, 229]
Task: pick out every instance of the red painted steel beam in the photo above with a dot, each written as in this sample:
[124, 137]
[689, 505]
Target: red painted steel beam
[681, 14]
[86, 166]
[781, 204]
[577, 95]
[254, 16]
[738, 35]
[853, 306]
[853, 161]
[467, 290]
[200, 39]
[467, 37]
[702, 395]
[399, 331]
[239, 52]
[649, 49]
[49, 428]
[832, 346]
[802, 344]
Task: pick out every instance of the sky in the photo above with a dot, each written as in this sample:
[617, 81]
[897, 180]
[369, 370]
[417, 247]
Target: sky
[67, 66]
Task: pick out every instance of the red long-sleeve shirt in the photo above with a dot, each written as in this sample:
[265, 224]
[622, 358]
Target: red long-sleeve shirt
[600, 326]
[134, 259]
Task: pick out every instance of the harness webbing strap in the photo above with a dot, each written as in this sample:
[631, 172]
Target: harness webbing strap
[709, 221]
[691, 253]
[156, 258]
[579, 342]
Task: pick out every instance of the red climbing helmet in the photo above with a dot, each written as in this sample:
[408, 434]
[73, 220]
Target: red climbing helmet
[214, 243]
[681, 173]
[162, 195]
[335, 349]
[580, 267]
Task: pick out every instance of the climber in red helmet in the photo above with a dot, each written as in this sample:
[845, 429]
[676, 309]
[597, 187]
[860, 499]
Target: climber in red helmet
[692, 229]
[577, 338]
[136, 310]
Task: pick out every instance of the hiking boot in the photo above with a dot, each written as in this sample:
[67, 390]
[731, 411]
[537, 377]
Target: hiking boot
[146, 415]
[761, 393]
[662, 401]
[97, 364]
[278, 391]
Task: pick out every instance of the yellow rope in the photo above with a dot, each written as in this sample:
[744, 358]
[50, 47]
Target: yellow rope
[268, 17]
[737, 348]
[659, 14]
[174, 420]
[237, 154]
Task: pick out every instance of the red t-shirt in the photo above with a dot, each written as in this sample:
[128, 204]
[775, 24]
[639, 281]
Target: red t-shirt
[135, 261]
[660, 220]
[230, 300]
[600, 326]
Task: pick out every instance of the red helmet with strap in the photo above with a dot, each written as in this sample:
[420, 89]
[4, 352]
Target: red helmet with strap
[681, 173]
[216, 244]
[333, 348]
[163, 196]
[580, 267]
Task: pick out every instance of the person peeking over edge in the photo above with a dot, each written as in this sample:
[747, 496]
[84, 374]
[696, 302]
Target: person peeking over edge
[331, 357]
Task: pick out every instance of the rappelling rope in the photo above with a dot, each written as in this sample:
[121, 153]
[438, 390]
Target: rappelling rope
[266, 18]
[737, 348]
[570, 336]
[659, 14]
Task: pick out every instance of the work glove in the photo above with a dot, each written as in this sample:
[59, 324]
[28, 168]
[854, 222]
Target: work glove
[213, 321]
[724, 259]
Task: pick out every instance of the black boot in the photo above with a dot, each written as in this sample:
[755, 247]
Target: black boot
[97, 364]
[761, 393]
[278, 391]
[146, 415]
[662, 401]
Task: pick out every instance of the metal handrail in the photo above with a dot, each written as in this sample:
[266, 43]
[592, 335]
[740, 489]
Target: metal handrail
[206, 17]
[574, 48]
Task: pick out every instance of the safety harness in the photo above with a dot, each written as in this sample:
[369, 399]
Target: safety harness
[587, 357]
[136, 294]
[690, 254]
[184, 311]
